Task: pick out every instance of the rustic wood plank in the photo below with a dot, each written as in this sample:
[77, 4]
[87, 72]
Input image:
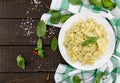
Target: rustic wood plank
[38, 77]
[22, 32]
[18, 18]
[22, 8]
[8, 56]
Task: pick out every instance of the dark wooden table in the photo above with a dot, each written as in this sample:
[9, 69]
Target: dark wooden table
[18, 20]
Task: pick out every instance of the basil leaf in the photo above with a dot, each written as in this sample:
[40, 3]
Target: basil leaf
[76, 79]
[108, 4]
[92, 1]
[37, 48]
[39, 43]
[99, 76]
[75, 2]
[41, 29]
[55, 17]
[21, 62]
[65, 17]
[51, 11]
[98, 3]
[40, 53]
[54, 44]
[90, 40]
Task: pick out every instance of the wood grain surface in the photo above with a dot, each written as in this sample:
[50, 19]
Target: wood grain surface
[18, 20]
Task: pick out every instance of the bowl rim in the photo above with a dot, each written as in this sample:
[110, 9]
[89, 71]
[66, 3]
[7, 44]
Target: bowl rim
[61, 34]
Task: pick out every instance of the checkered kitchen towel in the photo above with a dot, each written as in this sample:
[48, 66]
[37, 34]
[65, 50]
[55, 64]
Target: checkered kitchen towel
[65, 73]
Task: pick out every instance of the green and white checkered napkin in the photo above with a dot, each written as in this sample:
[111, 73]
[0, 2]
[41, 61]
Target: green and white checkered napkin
[65, 73]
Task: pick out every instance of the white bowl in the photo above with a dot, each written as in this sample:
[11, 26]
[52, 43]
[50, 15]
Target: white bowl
[111, 40]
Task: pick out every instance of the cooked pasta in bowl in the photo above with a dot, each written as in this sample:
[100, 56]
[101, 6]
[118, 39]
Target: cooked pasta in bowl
[86, 41]
[77, 41]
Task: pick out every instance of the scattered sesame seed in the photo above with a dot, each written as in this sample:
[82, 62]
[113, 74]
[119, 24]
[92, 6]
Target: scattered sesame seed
[27, 24]
[37, 2]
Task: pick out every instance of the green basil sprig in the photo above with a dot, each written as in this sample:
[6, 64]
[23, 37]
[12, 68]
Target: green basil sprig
[40, 53]
[108, 4]
[75, 2]
[97, 2]
[39, 48]
[99, 76]
[54, 44]
[41, 29]
[39, 44]
[55, 17]
[52, 11]
[65, 17]
[20, 62]
[76, 79]
[90, 40]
